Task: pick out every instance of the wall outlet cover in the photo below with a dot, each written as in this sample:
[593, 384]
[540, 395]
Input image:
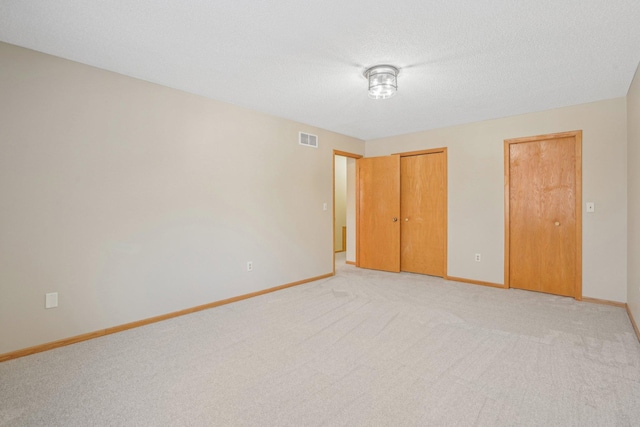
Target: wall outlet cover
[51, 300]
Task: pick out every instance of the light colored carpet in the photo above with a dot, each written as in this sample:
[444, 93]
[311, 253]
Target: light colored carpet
[364, 348]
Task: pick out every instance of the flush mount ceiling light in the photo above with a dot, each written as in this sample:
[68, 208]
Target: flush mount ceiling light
[383, 81]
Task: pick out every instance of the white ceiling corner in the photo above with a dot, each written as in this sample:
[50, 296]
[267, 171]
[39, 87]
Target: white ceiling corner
[461, 61]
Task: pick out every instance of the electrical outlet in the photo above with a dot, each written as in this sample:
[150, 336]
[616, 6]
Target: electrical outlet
[478, 257]
[249, 265]
[51, 300]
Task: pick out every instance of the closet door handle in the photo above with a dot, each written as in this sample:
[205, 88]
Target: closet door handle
[406, 220]
[395, 219]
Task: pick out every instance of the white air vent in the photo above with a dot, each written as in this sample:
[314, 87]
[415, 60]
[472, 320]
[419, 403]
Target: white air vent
[308, 140]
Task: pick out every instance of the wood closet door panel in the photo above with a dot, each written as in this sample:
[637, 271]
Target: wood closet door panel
[378, 212]
[423, 218]
[542, 216]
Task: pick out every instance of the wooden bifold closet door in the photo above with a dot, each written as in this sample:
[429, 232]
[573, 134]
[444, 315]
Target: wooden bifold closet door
[423, 222]
[377, 213]
[401, 214]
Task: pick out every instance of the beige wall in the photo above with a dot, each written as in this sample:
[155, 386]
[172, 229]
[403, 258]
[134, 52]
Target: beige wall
[351, 210]
[133, 200]
[633, 194]
[340, 199]
[476, 189]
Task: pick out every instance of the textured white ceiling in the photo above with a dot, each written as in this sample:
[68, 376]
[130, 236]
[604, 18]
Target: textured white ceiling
[461, 60]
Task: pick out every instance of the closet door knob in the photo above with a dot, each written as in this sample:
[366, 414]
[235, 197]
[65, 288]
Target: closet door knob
[406, 220]
[557, 224]
[395, 219]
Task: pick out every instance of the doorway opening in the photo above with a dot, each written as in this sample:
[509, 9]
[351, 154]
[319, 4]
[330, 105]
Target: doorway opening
[344, 207]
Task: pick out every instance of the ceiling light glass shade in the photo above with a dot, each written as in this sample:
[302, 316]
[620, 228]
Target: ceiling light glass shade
[383, 81]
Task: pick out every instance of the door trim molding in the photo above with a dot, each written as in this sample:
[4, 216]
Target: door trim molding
[419, 152]
[333, 195]
[346, 154]
[577, 134]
